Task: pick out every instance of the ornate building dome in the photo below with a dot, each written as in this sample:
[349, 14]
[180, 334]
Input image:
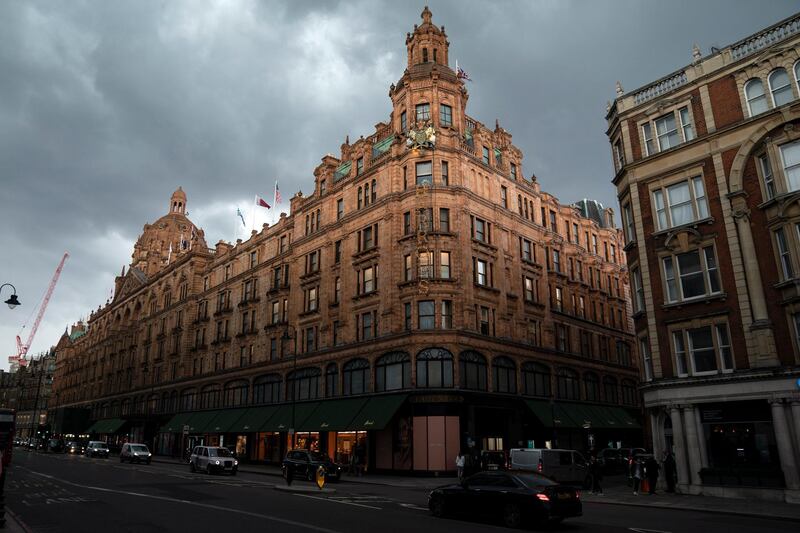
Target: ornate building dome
[167, 238]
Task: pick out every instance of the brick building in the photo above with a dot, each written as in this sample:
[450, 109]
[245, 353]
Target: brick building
[33, 392]
[707, 162]
[425, 298]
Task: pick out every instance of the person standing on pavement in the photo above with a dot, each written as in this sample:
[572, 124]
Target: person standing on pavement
[636, 474]
[460, 465]
[670, 470]
[651, 468]
[597, 475]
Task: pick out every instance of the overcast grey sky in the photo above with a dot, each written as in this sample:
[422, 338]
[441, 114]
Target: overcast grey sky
[107, 106]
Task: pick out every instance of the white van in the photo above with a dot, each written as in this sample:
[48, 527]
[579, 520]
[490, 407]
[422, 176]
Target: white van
[564, 466]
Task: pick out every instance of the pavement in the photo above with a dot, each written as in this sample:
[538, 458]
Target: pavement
[618, 493]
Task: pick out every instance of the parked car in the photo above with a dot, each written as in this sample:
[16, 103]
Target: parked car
[74, 446]
[97, 448]
[493, 460]
[133, 452]
[55, 446]
[611, 461]
[210, 459]
[564, 466]
[304, 464]
[515, 497]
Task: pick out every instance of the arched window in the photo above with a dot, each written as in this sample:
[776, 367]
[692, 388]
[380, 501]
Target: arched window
[504, 375]
[591, 384]
[756, 99]
[628, 392]
[393, 372]
[374, 191]
[267, 389]
[610, 394]
[303, 384]
[797, 74]
[780, 86]
[355, 375]
[472, 367]
[331, 380]
[568, 385]
[434, 368]
[424, 55]
[236, 393]
[536, 379]
[209, 397]
[188, 400]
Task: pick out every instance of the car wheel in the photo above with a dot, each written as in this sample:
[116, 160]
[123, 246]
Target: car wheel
[192, 468]
[436, 506]
[512, 515]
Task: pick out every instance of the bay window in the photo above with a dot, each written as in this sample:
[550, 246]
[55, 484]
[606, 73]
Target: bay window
[671, 130]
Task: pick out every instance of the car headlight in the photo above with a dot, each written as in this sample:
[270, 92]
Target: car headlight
[149, 454]
[216, 462]
[236, 463]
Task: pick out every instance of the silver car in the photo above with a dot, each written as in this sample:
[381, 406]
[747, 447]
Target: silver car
[210, 459]
[133, 452]
[97, 448]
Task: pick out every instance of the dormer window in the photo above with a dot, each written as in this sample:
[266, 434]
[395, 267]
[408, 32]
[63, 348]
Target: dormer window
[424, 55]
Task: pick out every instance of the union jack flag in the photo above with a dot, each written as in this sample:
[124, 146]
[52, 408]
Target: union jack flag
[277, 194]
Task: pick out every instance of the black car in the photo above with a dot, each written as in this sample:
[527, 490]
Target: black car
[55, 446]
[304, 464]
[516, 498]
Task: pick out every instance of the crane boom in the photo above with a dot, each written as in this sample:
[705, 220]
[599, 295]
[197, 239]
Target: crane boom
[22, 349]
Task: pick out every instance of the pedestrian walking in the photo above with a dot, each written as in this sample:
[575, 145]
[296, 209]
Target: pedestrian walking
[651, 468]
[596, 473]
[670, 471]
[636, 474]
[460, 460]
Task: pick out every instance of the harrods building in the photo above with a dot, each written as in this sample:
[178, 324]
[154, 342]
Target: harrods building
[708, 177]
[426, 298]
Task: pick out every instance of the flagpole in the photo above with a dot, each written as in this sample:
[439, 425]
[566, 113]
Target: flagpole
[253, 218]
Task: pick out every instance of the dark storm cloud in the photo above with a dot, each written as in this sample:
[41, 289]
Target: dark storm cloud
[106, 107]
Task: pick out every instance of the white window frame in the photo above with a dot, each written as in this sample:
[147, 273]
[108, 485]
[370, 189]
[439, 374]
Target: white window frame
[663, 210]
[784, 252]
[767, 176]
[482, 272]
[676, 276]
[628, 224]
[444, 265]
[773, 90]
[785, 168]
[750, 100]
[683, 350]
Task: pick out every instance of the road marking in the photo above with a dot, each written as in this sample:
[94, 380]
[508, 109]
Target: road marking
[188, 502]
[339, 501]
[412, 506]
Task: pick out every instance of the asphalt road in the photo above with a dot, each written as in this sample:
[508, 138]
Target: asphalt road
[60, 493]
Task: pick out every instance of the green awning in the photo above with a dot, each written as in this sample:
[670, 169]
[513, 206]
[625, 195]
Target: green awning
[106, 426]
[333, 415]
[200, 422]
[176, 423]
[90, 429]
[223, 420]
[253, 419]
[554, 414]
[626, 418]
[342, 171]
[378, 412]
[282, 420]
[383, 146]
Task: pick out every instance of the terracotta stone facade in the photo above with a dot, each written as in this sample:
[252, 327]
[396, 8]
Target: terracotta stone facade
[708, 175]
[423, 271]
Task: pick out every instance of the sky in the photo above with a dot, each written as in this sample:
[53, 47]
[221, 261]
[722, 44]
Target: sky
[107, 107]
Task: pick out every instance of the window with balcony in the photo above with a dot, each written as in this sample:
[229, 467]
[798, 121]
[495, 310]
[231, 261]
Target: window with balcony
[691, 275]
[680, 203]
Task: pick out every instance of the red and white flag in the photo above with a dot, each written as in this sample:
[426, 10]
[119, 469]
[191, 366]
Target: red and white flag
[260, 201]
[277, 194]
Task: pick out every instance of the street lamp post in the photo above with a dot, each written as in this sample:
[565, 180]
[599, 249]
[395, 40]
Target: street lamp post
[12, 302]
[36, 403]
[285, 339]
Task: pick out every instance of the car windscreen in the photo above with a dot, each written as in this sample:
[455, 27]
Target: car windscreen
[139, 449]
[219, 452]
[533, 481]
[316, 456]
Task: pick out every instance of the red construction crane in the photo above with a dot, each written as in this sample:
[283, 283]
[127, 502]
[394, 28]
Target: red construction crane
[22, 349]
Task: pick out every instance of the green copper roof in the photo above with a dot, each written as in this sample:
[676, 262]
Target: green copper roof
[342, 171]
[381, 147]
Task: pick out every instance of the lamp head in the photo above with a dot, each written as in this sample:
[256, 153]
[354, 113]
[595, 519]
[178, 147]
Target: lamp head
[12, 302]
